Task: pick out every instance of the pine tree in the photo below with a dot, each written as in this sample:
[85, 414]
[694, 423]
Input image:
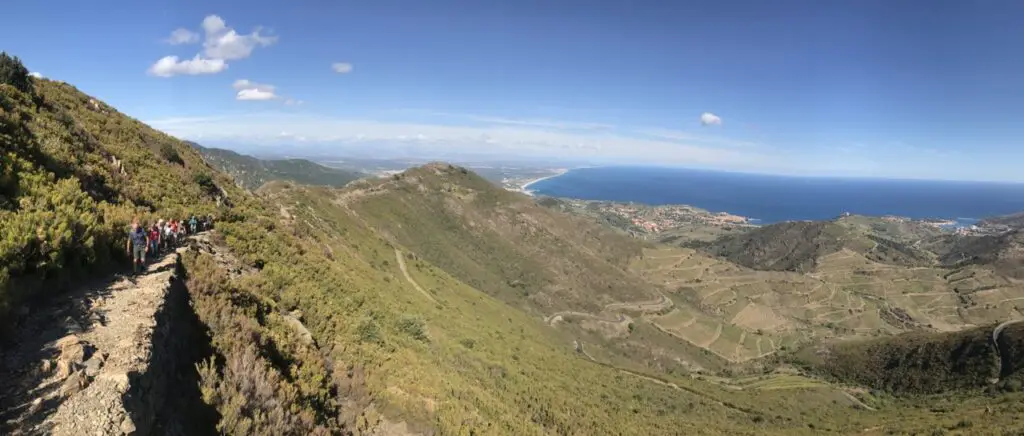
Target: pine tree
[14, 73]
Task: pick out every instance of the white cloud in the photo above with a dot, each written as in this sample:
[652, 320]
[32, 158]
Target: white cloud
[223, 42]
[246, 84]
[255, 95]
[293, 102]
[36, 74]
[248, 90]
[169, 66]
[341, 67]
[182, 36]
[708, 118]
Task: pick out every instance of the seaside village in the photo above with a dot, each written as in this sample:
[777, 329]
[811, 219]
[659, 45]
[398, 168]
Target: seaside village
[659, 218]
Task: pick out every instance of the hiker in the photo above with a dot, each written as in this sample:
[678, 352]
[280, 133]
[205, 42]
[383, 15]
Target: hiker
[136, 247]
[192, 222]
[161, 228]
[167, 236]
[154, 240]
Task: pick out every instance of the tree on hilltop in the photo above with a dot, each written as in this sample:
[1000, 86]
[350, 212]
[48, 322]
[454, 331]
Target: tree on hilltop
[14, 73]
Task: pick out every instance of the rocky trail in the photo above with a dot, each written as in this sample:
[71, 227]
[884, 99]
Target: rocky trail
[109, 358]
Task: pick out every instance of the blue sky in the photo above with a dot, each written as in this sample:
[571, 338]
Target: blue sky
[849, 88]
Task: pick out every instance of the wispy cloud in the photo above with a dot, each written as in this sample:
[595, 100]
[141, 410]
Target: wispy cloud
[529, 122]
[682, 136]
[182, 36]
[508, 139]
[341, 67]
[326, 135]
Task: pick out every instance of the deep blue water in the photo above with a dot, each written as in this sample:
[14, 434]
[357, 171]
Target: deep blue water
[770, 199]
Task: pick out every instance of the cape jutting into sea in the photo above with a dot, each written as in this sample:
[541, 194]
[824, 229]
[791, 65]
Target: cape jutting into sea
[769, 199]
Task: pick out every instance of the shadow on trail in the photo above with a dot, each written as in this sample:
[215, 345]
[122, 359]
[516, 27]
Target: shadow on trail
[29, 391]
[166, 399]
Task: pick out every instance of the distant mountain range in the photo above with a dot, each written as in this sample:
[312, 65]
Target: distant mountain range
[251, 173]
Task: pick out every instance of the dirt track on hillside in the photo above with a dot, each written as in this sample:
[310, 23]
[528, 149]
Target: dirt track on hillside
[408, 278]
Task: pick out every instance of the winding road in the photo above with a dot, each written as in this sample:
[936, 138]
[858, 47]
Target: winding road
[995, 343]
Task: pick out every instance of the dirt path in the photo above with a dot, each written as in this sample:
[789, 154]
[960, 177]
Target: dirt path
[857, 401]
[408, 278]
[74, 364]
[718, 334]
[560, 316]
[995, 343]
[643, 306]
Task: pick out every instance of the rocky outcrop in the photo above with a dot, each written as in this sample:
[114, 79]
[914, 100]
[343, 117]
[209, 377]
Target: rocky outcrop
[120, 360]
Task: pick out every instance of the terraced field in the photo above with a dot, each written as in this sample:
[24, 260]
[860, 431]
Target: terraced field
[741, 314]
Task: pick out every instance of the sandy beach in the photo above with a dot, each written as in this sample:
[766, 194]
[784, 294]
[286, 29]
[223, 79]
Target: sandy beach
[526, 186]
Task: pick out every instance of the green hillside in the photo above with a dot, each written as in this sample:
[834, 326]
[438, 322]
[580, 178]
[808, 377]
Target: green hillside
[798, 245]
[924, 362]
[251, 173]
[501, 242]
[424, 297]
[73, 173]
[1002, 252]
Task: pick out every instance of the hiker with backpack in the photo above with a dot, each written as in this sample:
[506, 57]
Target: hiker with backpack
[192, 223]
[138, 240]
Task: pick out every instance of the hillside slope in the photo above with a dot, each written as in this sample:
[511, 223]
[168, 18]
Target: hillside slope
[501, 242]
[925, 362]
[798, 245]
[251, 173]
[73, 173]
[1004, 252]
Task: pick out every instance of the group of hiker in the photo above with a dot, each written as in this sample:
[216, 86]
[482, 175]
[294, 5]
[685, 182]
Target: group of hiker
[161, 236]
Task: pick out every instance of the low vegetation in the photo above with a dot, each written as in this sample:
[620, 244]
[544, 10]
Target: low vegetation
[798, 245]
[911, 363]
[251, 173]
[73, 173]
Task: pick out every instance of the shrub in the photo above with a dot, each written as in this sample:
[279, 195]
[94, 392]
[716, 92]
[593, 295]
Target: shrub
[413, 326]
[172, 156]
[14, 73]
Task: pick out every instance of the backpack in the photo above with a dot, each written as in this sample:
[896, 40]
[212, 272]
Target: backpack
[138, 237]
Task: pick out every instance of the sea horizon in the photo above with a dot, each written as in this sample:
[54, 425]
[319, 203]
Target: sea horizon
[767, 198]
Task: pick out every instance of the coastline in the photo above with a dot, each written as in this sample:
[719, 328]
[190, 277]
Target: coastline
[526, 186]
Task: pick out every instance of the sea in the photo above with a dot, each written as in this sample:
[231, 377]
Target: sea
[767, 199]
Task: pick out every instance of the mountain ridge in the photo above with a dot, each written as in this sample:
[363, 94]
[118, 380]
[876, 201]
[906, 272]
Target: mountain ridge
[251, 172]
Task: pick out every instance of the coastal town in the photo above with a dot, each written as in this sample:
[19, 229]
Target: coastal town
[651, 220]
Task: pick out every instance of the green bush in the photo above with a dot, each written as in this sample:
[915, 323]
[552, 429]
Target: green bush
[14, 73]
[71, 180]
[414, 326]
[168, 152]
